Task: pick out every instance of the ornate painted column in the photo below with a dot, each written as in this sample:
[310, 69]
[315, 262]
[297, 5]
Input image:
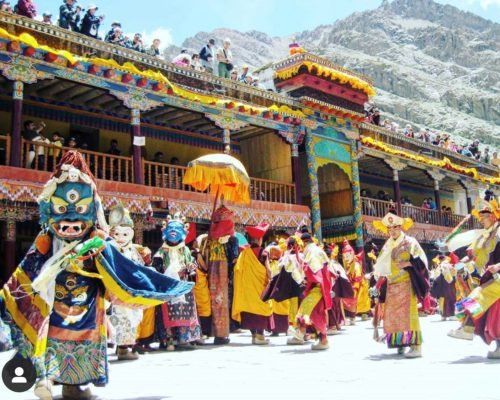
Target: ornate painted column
[9, 247]
[396, 166]
[356, 193]
[138, 141]
[227, 123]
[16, 123]
[312, 176]
[297, 177]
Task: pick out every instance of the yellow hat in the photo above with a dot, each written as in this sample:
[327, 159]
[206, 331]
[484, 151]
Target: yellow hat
[392, 220]
[486, 207]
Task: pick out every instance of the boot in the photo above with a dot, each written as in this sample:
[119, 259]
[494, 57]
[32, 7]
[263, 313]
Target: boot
[352, 321]
[126, 354]
[332, 331]
[495, 354]
[364, 317]
[415, 352]
[221, 340]
[260, 340]
[43, 389]
[320, 345]
[296, 340]
[170, 345]
[75, 392]
[443, 318]
[401, 350]
[461, 333]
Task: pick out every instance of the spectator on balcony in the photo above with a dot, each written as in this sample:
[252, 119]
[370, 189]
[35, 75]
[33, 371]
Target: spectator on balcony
[72, 143]
[196, 62]
[137, 43]
[466, 151]
[207, 56]
[26, 8]
[154, 49]
[225, 59]
[47, 18]
[376, 117]
[432, 204]
[91, 22]
[426, 205]
[159, 157]
[111, 32]
[41, 150]
[117, 37]
[69, 15]
[55, 150]
[113, 148]
[182, 59]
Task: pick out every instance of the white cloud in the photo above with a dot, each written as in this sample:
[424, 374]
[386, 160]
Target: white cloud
[163, 34]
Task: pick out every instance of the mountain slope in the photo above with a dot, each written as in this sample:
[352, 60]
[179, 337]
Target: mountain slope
[432, 64]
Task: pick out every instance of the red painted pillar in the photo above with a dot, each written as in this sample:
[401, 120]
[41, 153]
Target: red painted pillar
[16, 125]
[297, 177]
[138, 141]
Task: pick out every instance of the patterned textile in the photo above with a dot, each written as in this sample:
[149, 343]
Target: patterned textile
[401, 324]
[307, 305]
[125, 321]
[218, 285]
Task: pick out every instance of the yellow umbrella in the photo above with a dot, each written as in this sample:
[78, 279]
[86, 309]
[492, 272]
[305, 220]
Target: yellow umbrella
[222, 175]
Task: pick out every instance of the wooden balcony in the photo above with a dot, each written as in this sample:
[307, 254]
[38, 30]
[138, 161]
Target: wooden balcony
[44, 157]
[419, 147]
[379, 208]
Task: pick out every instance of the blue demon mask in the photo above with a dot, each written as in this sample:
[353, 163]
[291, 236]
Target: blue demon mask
[70, 212]
[174, 233]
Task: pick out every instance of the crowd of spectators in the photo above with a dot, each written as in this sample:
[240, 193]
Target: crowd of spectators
[211, 59]
[443, 140]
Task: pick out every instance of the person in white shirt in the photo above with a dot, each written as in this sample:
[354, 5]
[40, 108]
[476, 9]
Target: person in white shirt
[225, 59]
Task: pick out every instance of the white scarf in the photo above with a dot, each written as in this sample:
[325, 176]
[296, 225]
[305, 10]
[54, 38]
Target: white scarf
[383, 264]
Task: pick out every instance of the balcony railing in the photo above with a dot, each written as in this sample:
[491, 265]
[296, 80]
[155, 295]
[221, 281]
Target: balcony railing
[378, 208]
[4, 150]
[44, 157]
[171, 177]
[418, 147]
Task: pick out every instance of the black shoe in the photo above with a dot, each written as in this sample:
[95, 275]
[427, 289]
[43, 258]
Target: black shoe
[221, 340]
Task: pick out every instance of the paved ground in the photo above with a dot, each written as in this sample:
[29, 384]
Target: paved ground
[355, 367]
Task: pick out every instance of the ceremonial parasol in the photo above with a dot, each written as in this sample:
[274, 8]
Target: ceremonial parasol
[222, 175]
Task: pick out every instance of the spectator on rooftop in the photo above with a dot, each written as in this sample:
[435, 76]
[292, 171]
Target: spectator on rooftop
[486, 156]
[376, 117]
[91, 22]
[244, 73]
[47, 18]
[225, 59]
[249, 79]
[196, 63]
[494, 158]
[256, 83]
[183, 59]
[137, 43]
[408, 131]
[6, 7]
[474, 147]
[111, 32]
[207, 56]
[368, 107]
[26, 8]
[117, 37]
[69, 15]
[154, 49]
[234, 75]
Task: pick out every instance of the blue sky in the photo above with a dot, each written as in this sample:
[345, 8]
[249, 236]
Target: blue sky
[175, 20]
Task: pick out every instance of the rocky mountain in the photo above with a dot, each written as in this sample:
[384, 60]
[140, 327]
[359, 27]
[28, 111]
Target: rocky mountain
[432, 64]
